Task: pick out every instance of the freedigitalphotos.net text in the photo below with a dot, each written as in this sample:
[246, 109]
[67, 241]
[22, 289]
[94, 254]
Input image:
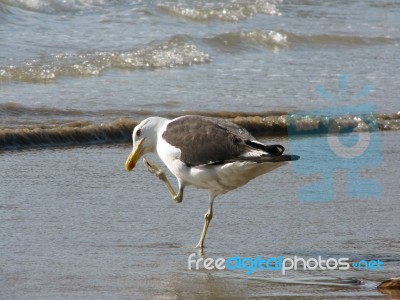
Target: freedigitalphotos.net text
[279, 263]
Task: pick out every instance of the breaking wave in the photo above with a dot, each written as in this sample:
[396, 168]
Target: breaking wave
[76, 127]
[279, 39]
[55, 6]
[235, 40]
[176, 51]
[233, 12]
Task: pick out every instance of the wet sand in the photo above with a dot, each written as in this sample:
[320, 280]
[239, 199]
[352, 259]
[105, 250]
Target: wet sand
[74, 224]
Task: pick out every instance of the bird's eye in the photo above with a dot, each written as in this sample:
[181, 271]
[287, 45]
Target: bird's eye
[138, 132]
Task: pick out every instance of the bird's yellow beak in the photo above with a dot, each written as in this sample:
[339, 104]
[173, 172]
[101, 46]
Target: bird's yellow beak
[134, 156]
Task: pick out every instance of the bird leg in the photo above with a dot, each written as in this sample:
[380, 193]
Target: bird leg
[207, 219]
[154, 169]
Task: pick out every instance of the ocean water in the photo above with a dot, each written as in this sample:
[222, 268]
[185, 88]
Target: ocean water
[76, 77]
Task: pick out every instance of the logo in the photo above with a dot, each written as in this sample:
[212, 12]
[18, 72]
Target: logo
[342, 138]
[249, 265]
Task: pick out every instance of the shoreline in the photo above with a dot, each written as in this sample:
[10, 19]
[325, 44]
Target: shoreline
[268, 124]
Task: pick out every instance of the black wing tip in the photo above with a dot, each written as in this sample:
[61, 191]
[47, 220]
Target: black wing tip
[285, 157]
[262, 159]
[276, 150]
[294, 157]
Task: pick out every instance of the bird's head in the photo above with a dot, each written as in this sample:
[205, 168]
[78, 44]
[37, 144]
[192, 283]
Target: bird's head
[144, 138]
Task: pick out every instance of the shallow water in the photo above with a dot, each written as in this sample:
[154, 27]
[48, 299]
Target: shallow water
[74, 224]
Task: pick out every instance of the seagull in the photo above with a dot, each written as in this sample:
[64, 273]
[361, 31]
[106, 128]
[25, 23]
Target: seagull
[203, 152]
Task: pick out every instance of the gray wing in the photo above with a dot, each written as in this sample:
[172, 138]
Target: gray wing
[204, 140]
